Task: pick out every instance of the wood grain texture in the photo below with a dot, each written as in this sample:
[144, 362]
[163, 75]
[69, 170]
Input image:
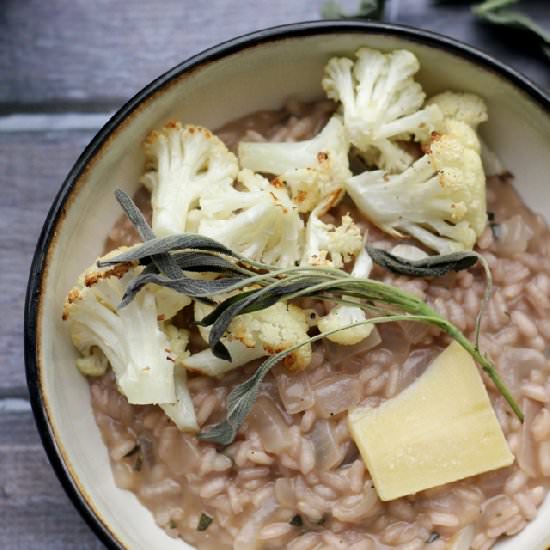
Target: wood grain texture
[35, 512]
[33, 166]
[511, 47]
[93, 54]
[90, 50]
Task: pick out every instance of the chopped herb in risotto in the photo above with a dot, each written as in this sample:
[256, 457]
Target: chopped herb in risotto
[326, 326]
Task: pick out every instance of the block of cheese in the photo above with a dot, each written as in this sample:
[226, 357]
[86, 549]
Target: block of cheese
[441, 428]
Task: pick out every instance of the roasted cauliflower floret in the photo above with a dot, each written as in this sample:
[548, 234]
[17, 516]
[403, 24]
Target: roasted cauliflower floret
[205, 362]
[258, 220]
[381, 103]
[275, 328]
[183, 162]
[461, 106]
[343, 315]
[327, 244]
[439, 200]
[312, 169]
[254, 335]
[133, 338]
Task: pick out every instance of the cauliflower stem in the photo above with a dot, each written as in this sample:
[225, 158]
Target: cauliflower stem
[312, 169]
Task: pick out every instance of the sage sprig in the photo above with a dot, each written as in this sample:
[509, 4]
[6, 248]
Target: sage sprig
[243, 286]
[437, 266]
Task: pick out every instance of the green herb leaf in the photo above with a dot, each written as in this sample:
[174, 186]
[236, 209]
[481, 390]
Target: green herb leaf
[432, 266]
[367, 9]
[204, 262]
[239, 403]
[208, 319]
[162, 261]
[498, 12]
[204, 522]
[296, 520]
[157, 246]
[196, 288]
[134, 215]
[222, 433]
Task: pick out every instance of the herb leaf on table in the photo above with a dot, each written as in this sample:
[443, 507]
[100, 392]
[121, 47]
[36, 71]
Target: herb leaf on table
[504, 13]
[499, 12]
[367, 9]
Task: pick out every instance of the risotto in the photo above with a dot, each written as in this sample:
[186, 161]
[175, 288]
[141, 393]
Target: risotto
[293, 477]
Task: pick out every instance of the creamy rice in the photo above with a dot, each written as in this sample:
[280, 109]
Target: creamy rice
[293, 477]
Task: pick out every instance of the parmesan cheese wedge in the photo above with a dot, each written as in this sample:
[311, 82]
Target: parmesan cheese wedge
[441, 428]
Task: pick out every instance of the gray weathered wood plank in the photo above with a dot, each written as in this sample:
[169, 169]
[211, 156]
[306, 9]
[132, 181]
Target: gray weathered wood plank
[33, 165]
[95, 54]
[35, 512]
[89, 50]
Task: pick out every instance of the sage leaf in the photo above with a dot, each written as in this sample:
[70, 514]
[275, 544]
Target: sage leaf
[203, 262]
[507, 13]
[222, 433]
[157, 246]
[204, 522]
[195, 288]
[134, 215]
[432, 266]
[239, 402]
[208, 319]
[221, 324]
[162, 261]
[263, 300]
[367, 9]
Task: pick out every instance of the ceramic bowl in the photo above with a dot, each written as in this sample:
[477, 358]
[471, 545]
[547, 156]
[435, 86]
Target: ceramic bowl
[257, 71]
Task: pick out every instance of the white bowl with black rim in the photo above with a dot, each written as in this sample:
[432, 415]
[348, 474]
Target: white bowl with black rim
[256, 71]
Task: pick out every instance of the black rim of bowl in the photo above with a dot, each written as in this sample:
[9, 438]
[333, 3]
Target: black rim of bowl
[57, 209]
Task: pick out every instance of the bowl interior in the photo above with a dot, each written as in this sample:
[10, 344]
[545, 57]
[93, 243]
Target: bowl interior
[256, 77]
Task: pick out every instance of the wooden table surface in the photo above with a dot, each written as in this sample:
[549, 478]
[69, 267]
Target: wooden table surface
[64, 66]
